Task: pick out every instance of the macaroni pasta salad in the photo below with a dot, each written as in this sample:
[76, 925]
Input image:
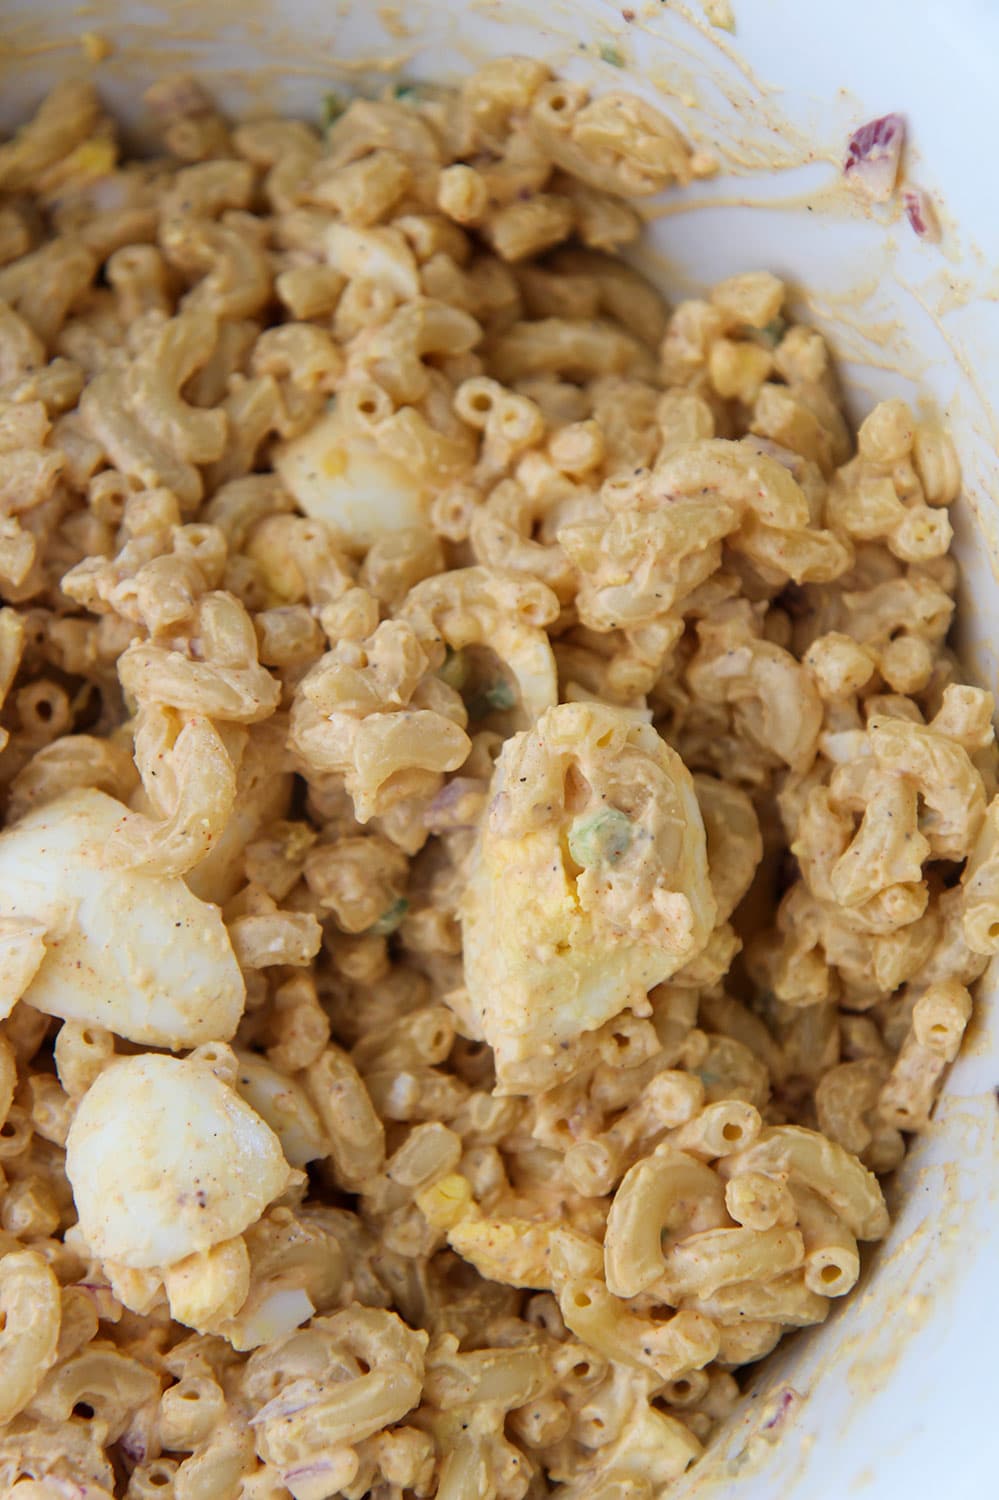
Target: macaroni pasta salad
[495, 841]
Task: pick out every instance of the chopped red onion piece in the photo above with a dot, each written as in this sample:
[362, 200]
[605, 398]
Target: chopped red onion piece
[782, 1406]
[449, 808]
[921, 214]
[873, 155]
[133, 1447]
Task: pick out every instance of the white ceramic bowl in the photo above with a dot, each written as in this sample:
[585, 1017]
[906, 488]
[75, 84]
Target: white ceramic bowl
[896, 1390]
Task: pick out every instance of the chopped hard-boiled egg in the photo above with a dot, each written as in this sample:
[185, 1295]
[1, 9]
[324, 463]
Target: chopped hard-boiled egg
[134, 952]
[165, 1159]
[589, 885]
[22, 948]
[284, 1104]
[338, 474]
[265, 1319]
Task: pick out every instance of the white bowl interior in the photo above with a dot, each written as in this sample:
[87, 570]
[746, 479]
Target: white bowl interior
[895, 1390]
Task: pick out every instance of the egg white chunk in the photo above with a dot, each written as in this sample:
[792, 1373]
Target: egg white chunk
[339, 475]
[136, 953]
[165, 1159]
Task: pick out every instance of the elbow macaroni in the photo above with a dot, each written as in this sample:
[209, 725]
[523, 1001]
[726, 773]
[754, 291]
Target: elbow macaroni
[423, 656]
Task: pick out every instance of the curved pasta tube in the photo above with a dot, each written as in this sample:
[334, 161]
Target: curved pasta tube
[468, 1399]
[749, 1340]
[306, 363]
[188, 1411]
[650, 1449]
[588, 885]
[699, 1264]
[11, 648]
[107, 1380]
[496, 93]
[204, 781]
[367, 125]
[297, 558]
[666, 1191]
[44, 284]
[73, 1448]
[64, 119]
[805, 556]
[22, 349]
[354, 1131]
[943, 772]
[887, 850]
[162, 367]
[914, 605]
[263, 792]
[687, 1342]
[617, 142]
[669, 1100]
[759, 1202]
[220, 1463]
[396, 352]
[734, 841]
[824, 1166]
[746, 480]
[772, 695]
[379, 717]
[207, 189]
[636, 565]
[832, 1261]
[505, 1378]
[236, 274]
[498, 609]
[29, 1328]
[61, 1489]
[845, 1097]
[776, 528]
[719, 1129]
[315, 1416]
[228, 683]
[502, 536]
[786, 1300]
[143, 422]
[571, 349]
